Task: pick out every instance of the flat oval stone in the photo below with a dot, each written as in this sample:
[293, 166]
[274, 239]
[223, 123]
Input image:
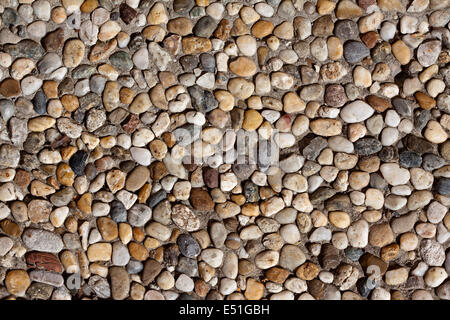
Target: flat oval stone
[42, 240]
[356, 111]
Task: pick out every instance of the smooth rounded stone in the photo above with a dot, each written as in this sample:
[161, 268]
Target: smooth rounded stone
[17, 282]
[428, 52]
[141, 59]
[320, 234]
[436, 212]
[356, 111]
[435, 276]
[141, 156]
[212, 256]
[358, 233]
[435, 133]
[355, 51]
[139, 215]
[184, 283]
[118, 212]
[42, 240]
[73, 53]
[346, 30]
[121, 60]
[188, 246]
[267, 259]
[6, 109]
[5, 245]
[394, 175]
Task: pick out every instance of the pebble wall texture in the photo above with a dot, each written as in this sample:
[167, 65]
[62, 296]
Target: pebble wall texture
[95, 202]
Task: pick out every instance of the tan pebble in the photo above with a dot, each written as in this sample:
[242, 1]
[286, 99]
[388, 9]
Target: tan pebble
[99, 252]
[40, 124]
[73, 53]
[347, 9]
[401, 52]
[435, 133]
[65, 174]
[243, 67]
[58, 15]
[326, 127]
[262, 29]
[17, 282]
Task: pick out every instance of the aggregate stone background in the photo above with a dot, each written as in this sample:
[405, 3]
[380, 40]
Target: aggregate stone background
[91, 182]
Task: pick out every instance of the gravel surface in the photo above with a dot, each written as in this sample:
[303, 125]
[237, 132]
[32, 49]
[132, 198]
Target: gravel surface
[280, 149]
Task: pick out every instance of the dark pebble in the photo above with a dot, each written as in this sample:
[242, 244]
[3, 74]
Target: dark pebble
[355, 51]
[25, 49]
[339, 202]
[171, 253]
[251, 192]
[204, 27]
[66, 86]
[10, 17]
[189, 247]
[314, 148]
[54, 40]
[79, 115]
[410, 159]
[156, 198]
[432, 162]
[90, 171]
[137, 41]
[118, 212]
[380, 52]
[187, 297]
[377, 182]
[346, 30]
[211, 177]
[34, 142]
[418, 145]
[78, 162]
[402, 106]
[363, 289]
[121, 60]
[182, 6]
[421, 119]
[244, 170]
[83, 71]
[321, 194]
[329, 256]
[353, 253]
[202, 100]
[443, 186]
[127, 13]
[208, 62]
[388, 154]
[40, 102]
[367, 146]
[189, 62]
[114, 16]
